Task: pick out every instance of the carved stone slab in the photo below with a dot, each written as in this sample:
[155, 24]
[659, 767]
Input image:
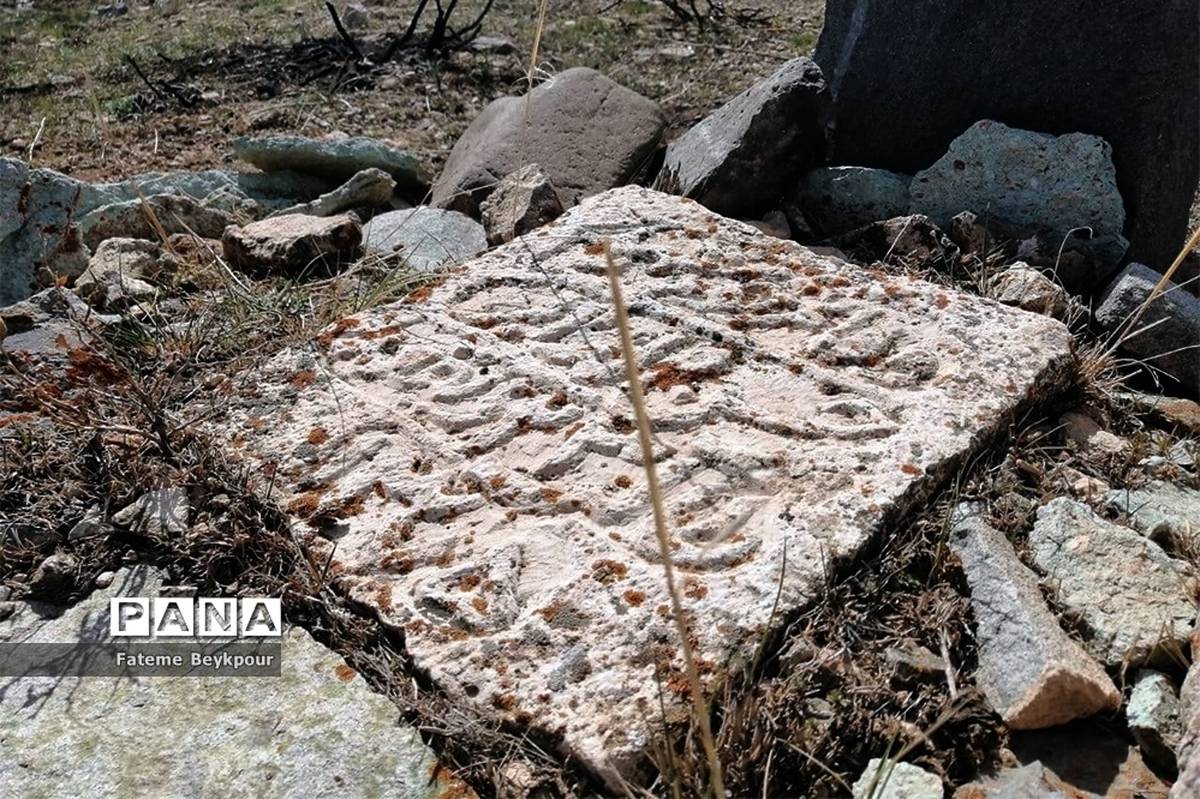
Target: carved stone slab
[470, 455]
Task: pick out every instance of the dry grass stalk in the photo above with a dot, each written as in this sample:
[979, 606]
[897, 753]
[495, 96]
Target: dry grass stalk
[638, 400]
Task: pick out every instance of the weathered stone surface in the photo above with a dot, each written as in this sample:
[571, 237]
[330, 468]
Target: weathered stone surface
[367, 189]
[294, 244]
[117, 273]
[1030, 290]
[1086, 760]
[892, 780]
[523, 201]
[253, 193]
[1164, 512]
[910, 77]
[425, 238]
[49, 323]
[1031, 781]
[480, 474]
[158, 513]
[586, 132]
[1031, 672]
[314, 731]
[176, 213]
[335, 159]
[1154, 717]
[741, 159]
[1187, 752]
[1132, 598]
[1089, 439]
[1024, 178]
[839, 199]
[1167, 337]
[39, 240]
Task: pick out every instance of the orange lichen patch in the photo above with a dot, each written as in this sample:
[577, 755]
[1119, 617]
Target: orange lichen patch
[398, 562]
[303, 379]
[608, 571]
[383, 597]
[558, 400]
[623, 481]
[379, 489]
[382, 332]
[446, 558]
[551, 611]
[305, 505]
[504, 702]
[910, 468]
[811, 290]
[941, 300]
[352, 505]
[87, 365]
[480, 604]
[572, 430]
[694, 589]
[667, 375]
[634, 597]
[496, 482]
[342, 325]
[318, 436]
[551, 494]
[595, 248]
[344, 673]
[469, 582]
[420, 295]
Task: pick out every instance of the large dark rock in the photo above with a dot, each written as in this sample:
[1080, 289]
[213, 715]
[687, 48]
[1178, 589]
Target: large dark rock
[910, 77]
[740, 159]
[587, 133]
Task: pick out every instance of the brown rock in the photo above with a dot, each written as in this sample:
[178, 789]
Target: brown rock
[586, 132]
[294, 244]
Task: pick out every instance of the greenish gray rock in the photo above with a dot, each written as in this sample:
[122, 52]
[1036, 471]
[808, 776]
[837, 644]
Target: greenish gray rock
[1060, 183]
[315, 731]
[741, 159]
[425, 238]
[1154, 716]
[336, 159]
[1131, 597]
[838, 199]
[158, 513]
[367, 189]
[176, 213]
[39, 240]
[891, 780]
[1167, 337]
[1031, 672]
[252, 193]
[1160, 510]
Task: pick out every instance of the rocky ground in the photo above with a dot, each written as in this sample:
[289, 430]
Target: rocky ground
[281, 319]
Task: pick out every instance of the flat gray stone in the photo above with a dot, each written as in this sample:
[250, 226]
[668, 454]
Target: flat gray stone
[1031, 672]
[176, 213]
[587, 133]
[742, 158]
[370, 188]
[892, 780]
[1164, 512]
[1130, 595]
[1167, 337]
[1024, 178]
[316, 731]
[254, 193]
[336, 159]
[483, 482]
[425, 238]
[1154, 717]
[838, 199]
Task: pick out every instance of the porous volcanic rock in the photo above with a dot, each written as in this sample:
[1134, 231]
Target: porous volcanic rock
[471, 450]
[908, 78]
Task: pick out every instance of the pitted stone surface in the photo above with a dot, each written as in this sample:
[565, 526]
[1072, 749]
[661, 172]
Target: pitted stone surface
[471, 450]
